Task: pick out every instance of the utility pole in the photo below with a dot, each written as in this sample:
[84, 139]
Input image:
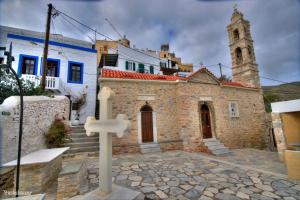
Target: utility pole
[220, 67]
[45, 56]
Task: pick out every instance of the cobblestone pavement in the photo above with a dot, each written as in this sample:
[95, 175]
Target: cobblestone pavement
[182, 175]
[264, 160]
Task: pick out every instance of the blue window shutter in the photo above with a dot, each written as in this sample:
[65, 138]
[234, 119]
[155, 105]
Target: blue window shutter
[126, 65]
[133, 66]
[151, 69]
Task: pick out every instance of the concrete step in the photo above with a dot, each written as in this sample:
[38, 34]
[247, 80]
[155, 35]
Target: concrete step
[84, 139]
[81, 144]
[211, 141]
[216, 147]
[81, 135]
[83, 149]
[223, 151]
[150, 148]
[77, 129]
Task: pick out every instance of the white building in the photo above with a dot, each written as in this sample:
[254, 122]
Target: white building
[71, 63]
[125, 58]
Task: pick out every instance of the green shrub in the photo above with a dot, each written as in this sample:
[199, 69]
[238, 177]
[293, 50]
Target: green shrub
[57, 134]
[9, 87]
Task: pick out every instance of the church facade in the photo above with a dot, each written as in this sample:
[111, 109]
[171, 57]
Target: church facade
[181, 113]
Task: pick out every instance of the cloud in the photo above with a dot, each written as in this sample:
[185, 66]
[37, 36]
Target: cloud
[196, 30]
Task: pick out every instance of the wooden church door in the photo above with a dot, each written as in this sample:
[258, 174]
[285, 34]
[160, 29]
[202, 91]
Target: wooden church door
[205, 121]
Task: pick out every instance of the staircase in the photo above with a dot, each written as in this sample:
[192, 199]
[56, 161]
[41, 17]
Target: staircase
[150, 148]
[80, 142]
[216, 147]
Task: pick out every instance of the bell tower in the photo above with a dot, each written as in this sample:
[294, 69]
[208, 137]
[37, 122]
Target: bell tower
[244, 67]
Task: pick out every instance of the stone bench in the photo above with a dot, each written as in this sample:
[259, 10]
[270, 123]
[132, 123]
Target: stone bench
[39, 169]
[72, 180]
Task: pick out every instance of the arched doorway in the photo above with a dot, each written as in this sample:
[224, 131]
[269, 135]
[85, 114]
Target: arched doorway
[205, 121]
[147, 123]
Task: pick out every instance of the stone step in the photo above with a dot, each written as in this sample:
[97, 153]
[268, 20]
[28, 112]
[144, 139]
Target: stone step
[212, 143]
[150, 148]
[223, 151]
[77, 129]
[83, 149]
[81, 135]
[149, 145]
[215, 147]
[84, 139]
[81, 144]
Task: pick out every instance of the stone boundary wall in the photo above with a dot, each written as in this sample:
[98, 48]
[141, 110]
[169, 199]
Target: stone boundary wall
[6, 180]
[39, 113]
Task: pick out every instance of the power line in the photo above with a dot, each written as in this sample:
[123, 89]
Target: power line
[88, 27]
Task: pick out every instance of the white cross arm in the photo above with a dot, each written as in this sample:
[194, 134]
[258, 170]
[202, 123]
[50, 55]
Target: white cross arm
[120, 126]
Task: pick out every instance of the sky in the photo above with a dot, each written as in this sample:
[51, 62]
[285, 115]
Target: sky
[195, 29]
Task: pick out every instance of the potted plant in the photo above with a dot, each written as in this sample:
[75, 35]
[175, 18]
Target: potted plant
[79, 102]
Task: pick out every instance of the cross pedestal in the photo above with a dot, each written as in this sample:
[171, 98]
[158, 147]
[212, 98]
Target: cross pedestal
[105, 127]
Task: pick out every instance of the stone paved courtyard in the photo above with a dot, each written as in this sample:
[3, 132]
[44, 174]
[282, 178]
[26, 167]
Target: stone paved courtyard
[182, 175]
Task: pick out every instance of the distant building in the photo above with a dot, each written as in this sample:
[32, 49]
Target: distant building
[71, 64]
[118, 55]
[174, 63]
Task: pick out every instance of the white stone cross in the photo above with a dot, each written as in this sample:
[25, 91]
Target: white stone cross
[105, 127]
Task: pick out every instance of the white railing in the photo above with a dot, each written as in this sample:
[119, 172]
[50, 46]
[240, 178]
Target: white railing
[51, 82]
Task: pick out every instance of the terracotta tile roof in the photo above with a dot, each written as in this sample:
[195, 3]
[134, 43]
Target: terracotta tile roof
[233, 84]
[109, 73]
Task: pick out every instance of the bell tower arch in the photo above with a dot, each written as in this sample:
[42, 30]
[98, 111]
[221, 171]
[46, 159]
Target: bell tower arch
[244, 67]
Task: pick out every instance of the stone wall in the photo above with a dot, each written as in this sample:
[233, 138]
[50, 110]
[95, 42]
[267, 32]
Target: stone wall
[246, 130]
[39, 113]
[176, 107]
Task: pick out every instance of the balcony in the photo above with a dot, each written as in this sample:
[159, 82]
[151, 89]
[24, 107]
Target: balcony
[52, 83]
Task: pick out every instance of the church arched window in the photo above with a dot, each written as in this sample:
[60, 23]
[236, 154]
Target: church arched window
[250, 52]
[236, 35]
[238, 55]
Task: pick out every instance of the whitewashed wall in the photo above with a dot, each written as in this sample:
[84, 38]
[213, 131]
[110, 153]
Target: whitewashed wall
[64, 54]
[39, 113]
[129, 54]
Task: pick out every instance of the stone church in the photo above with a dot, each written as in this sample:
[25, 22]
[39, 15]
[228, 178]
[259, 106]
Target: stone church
[194, 113]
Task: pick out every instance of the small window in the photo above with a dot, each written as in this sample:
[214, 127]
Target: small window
[151, 68]
[236, 35]
[163, 65]
[239, 56]
[28, 64]
[130, 66]
[75, 72]
[233, 109]
[141, 68]
[1, 60]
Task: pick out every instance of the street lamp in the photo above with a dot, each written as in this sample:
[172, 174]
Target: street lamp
[8, 68]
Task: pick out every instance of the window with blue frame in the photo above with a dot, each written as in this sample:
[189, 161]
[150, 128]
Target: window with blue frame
[28, 64]
[53, 67]
[75, 72]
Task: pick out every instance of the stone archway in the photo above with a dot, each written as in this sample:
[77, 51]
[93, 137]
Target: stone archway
[207, 117]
